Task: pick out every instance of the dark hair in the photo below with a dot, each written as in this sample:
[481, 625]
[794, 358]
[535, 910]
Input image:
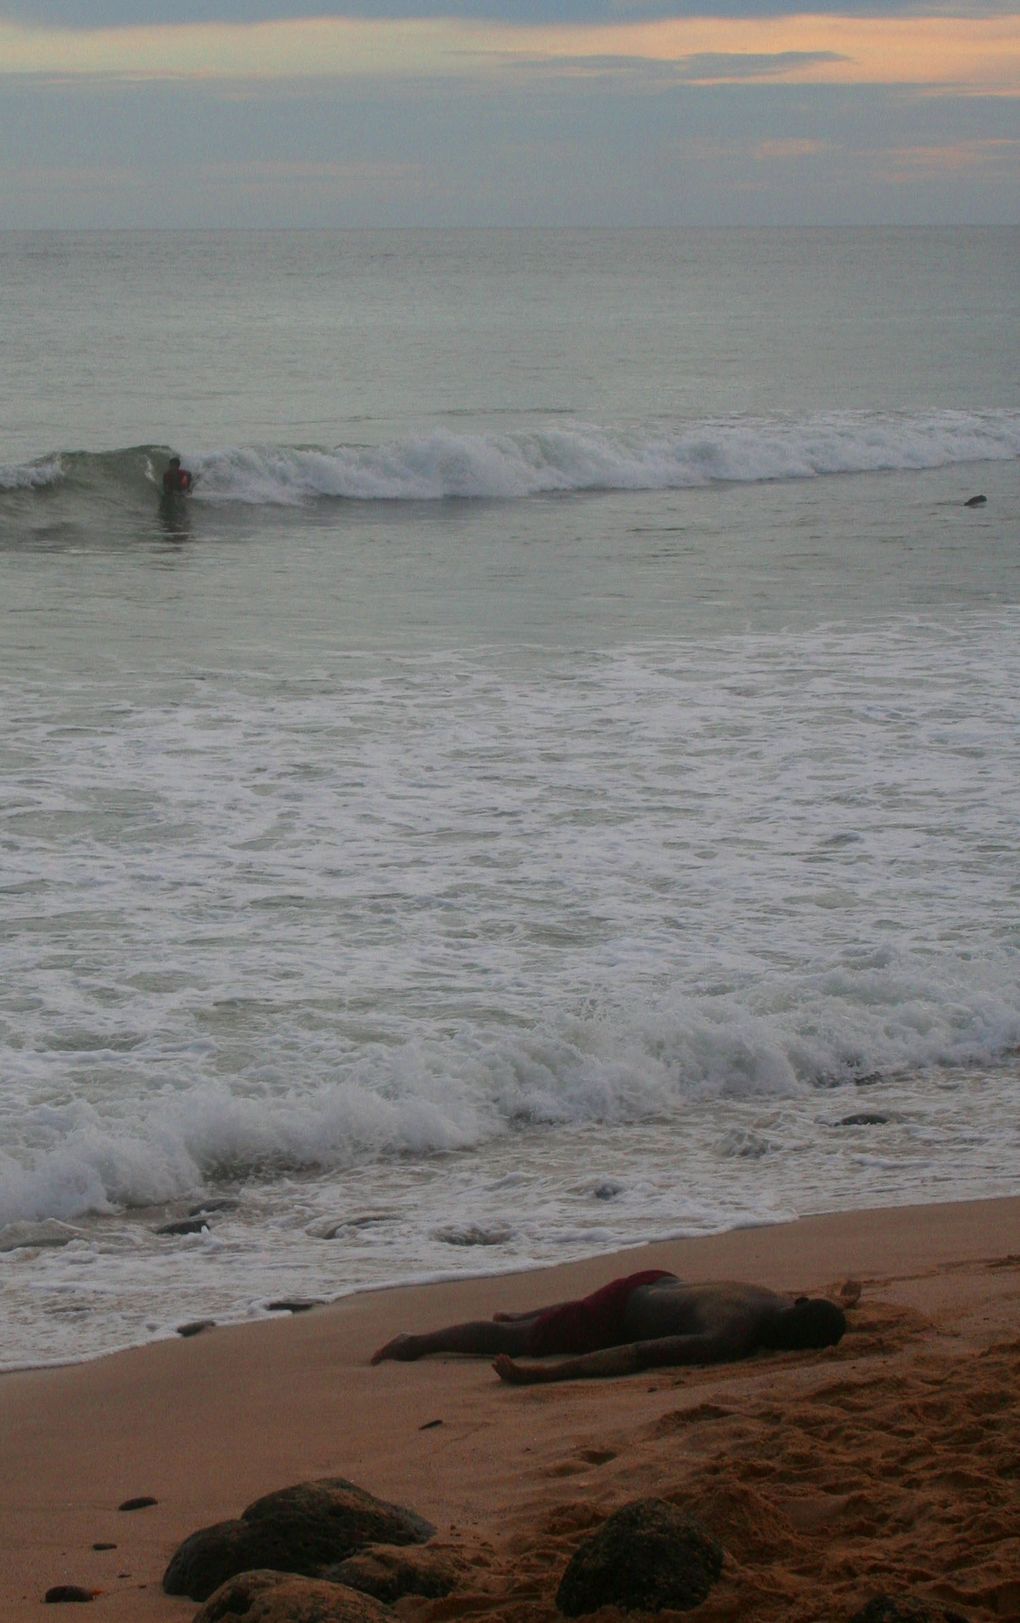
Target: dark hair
[811, 1322]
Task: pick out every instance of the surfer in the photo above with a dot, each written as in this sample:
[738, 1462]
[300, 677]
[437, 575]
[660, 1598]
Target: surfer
[640, 1322]
[177, 481]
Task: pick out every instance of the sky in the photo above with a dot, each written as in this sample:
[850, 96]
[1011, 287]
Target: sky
[243, 113]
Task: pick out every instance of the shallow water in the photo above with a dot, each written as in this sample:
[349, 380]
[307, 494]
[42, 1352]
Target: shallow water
[559, 766]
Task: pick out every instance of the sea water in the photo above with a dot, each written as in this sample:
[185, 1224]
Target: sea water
[554, 784]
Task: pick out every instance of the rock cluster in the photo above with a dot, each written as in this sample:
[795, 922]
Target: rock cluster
[299, 1530]
[330, 1552]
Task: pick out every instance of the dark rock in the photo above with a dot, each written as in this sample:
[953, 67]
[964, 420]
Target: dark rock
[975, 501]
[863, 1118]
[142, 1503]
[904, 1609]
[648, 1556]
[280, 1597]
[298, 1530]
[104, 1546]
[388, 1574]
[214, 1554]
[294, 1304]
[195, 1327]
[183, 1225]
[47, 1235]
[327, 1228]
[473, 1234]
[61, 1592]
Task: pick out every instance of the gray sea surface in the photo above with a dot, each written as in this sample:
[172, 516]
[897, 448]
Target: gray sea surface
[553, 784]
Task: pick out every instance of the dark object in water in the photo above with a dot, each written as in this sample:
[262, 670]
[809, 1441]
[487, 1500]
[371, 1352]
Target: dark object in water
[195, 1327]
[863, 1118]
[184, 1225]
[294, 1304]
[975, 501]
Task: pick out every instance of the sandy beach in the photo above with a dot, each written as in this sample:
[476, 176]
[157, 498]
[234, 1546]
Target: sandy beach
[887, 1464]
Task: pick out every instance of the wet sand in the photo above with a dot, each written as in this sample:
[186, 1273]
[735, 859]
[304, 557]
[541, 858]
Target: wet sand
[889, 1463]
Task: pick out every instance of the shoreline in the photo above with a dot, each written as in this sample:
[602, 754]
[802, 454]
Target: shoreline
[611, 1254]
[206, 1424]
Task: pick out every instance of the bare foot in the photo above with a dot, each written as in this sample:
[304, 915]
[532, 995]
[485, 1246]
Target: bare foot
[515, 1374]
[403, 1347]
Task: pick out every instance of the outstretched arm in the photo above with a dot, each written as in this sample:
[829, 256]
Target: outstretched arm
[626, 1360]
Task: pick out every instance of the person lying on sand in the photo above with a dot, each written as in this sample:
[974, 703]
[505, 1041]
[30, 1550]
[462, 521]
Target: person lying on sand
[644, 1320]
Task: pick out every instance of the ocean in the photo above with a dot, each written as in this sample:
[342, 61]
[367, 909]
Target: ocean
[552, 786]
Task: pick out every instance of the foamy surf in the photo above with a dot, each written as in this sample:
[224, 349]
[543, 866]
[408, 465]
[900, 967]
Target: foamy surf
[554, 459]
[864, 1017]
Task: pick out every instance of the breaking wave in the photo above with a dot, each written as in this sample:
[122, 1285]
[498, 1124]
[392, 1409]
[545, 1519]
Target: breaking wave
[441, 464]
[873, 1015]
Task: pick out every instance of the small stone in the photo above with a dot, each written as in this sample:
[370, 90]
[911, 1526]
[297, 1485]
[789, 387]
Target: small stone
[142, 1503]
[62, 1592]
[104, 1546]
[863, 1118]
[49, 1234]
[294, 1304]
[473, 1234]
[195, 1327]
[184, 1225]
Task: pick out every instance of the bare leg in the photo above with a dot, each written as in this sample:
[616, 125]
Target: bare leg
[532, 1313]
[479, 1336]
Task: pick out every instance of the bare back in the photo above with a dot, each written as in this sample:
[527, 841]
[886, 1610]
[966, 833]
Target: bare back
[669, 1307]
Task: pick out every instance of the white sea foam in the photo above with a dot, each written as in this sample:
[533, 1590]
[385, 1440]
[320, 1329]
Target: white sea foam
[588, 457]
[30, 475]
[734, 884]
[554, 459]
[776, 1043]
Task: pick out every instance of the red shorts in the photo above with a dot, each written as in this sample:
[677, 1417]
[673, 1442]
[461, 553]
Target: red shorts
[596, 1321]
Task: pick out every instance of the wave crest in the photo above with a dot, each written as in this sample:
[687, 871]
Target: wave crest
[552, 459]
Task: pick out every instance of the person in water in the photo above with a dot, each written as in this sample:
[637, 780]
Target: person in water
[647, 1319]
[177, 481]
